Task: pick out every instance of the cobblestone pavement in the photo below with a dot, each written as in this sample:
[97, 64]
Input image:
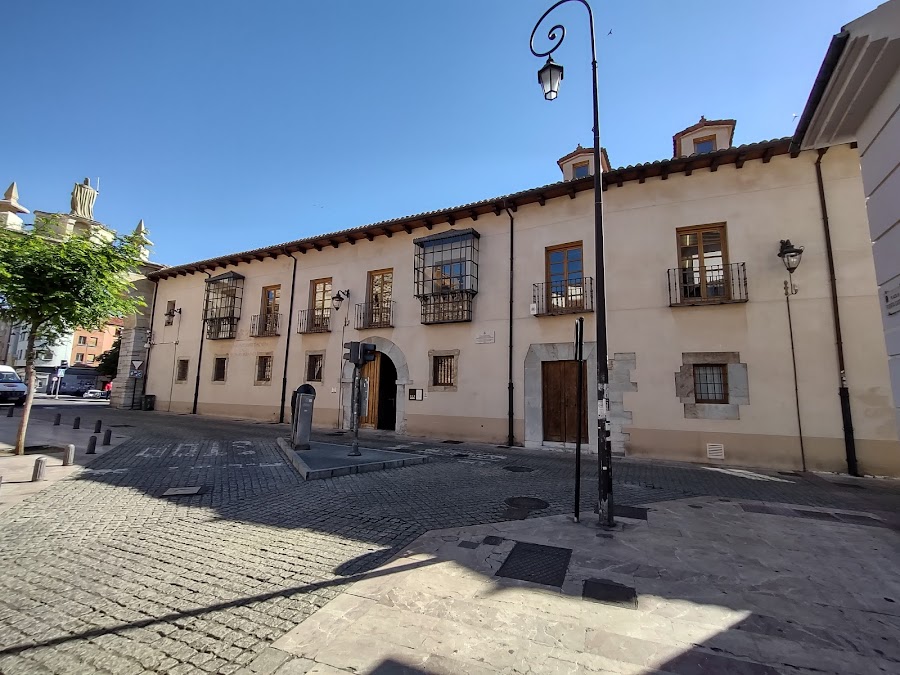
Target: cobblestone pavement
[103, 574]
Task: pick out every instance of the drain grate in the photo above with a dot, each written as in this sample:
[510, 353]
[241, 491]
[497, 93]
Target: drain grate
[120, 425]
[527, 503]
[182, 491]
[518, 469]
[546, 565]
[453, 442]
[460, 454]
[609, 593]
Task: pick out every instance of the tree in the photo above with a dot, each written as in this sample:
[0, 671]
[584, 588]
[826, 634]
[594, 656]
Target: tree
[51, 285]
[108, 363]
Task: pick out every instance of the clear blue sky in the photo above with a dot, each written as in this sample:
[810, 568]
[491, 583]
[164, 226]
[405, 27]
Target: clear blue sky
[230, 125]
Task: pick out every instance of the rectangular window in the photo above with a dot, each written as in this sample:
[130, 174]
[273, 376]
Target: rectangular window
[82, 340]
[92, 342]
[703, 263]
[711, 383]
[319, 305]
[314, 363]
[92, 358]
[79, 357]
[442, 371]
[581, 170]
[268, 320]
[376, 312]
[219, 366]
[446, 275]
[705, 144]
[565, 288]
[181, 371]
[170, 312]
[263, 368]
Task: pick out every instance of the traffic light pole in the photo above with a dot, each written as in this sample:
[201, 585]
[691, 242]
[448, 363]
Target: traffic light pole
[354, 413]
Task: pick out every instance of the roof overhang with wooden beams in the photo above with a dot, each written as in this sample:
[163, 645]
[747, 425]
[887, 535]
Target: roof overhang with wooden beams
[763, 150]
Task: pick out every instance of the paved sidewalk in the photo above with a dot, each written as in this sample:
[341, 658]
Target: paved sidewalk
[16, 470]
[722, 587]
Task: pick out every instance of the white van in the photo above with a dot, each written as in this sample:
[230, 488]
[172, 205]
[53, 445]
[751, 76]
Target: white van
[12, 389]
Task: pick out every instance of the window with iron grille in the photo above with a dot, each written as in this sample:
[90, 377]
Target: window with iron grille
[181, 371]
[263, 368]
[442, 371]
[170, 312]
[446, 275]
[219, 366]
[222, 305]
[314, 363]
[710, 383]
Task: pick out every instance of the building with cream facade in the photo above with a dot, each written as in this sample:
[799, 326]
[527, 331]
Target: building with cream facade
[472, 311]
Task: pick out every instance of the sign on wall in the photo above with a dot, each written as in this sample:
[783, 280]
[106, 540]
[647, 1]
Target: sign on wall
[891, 295]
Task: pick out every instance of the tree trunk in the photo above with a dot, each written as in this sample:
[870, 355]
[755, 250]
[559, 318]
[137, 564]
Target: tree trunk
[29, 398]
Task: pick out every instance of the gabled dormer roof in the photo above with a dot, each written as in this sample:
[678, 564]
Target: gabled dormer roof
[700, 125]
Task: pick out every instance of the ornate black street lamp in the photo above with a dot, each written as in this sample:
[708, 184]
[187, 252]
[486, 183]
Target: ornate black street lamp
[790, 255]
[549, 78]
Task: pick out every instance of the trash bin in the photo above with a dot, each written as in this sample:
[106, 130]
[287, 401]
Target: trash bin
[301, 416]
[149, 402]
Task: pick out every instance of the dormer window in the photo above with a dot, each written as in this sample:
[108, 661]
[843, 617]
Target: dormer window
[704, 145]
[581, 170]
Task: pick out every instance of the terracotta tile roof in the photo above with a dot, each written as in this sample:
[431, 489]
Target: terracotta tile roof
[763, 150]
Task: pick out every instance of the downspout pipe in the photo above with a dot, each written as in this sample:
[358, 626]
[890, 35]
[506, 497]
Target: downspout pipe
[149, 335]
[510, 434]
[287, 345]
[200, 352]
[843, 391]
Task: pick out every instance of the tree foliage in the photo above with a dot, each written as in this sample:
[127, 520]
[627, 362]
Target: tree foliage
[108, 362]
[51, 285]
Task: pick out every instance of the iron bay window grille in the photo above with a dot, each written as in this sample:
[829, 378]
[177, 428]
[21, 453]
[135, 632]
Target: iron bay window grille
[446, 275]
[222, 305]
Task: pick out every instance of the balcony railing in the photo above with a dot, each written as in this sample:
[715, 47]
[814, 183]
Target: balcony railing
[314, 320]
[713, 285]
[221, 328]
[265, 325]
[375, 315]
[563, 297]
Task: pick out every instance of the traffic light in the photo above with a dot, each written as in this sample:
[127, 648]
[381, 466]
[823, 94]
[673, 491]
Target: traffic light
[366, 352]
[353, 354]
[63, 364]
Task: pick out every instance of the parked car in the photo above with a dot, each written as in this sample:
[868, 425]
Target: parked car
[92, 393]
[11, 386]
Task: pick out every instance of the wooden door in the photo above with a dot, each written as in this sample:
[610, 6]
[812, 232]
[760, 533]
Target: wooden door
[559, 401]
[368, 416]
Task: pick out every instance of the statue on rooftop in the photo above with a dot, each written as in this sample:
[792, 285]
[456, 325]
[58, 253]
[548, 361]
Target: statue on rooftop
[83, 198]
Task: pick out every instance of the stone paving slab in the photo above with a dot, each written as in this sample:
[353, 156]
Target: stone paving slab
[330, 460]
[704, 603]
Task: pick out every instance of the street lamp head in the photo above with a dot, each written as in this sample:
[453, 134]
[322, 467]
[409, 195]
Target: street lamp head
[549, 78]
[790, 255]
[338, 298]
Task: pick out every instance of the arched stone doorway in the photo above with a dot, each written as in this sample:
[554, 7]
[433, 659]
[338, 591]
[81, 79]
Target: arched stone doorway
[393, 361]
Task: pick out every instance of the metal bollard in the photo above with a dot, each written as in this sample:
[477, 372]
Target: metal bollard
[12, 409]
[76, 424]
[40, 465]
[107, 437]
[92, 445]
[97, 425]
[69, 455]
[57, 419]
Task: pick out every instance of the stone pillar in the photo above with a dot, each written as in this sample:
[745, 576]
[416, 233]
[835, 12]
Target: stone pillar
[135, 335]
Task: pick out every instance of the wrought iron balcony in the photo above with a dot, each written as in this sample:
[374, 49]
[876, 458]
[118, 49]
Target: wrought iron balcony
[447, 307]
[375, 315]
[265, 325]
[221, 328]
[316, 320]
[563, 297]
[712, 285]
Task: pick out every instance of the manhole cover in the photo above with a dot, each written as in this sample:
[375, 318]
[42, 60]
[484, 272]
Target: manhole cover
[453, 442]
[182, 491]
[536, 563]
[460, 454]
[609, 593]
[527, 503]
[518, 469]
